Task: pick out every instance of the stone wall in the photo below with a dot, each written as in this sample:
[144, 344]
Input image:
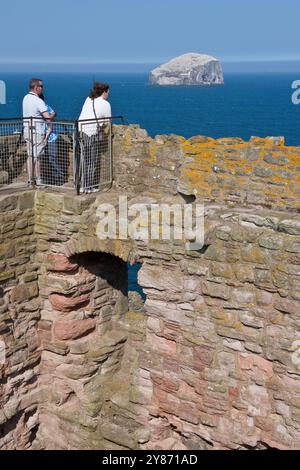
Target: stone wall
[87, 364]
[19, 314]
[209, 362]
[220, 331]
[261, 173]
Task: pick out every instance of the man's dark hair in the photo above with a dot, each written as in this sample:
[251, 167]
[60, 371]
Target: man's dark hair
[98, 89]
[34, 82]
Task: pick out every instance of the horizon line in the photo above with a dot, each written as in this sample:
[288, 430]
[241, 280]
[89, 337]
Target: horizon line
[227, 61]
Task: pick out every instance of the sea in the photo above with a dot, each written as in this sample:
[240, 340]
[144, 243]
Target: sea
[248, 104]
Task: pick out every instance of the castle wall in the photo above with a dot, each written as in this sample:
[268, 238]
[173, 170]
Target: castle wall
[19, 314]
[220, 334]
[210, 363]
[261, 173]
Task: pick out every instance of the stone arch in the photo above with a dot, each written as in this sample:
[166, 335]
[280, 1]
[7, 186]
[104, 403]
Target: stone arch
[89, 287]
[84, 344]
[123, 249]
[110, 292]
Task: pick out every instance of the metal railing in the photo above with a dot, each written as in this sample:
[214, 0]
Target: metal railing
[65, 154]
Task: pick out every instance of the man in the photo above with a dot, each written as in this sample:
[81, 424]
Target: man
[96, 111]
[35, 107]
[55, 173]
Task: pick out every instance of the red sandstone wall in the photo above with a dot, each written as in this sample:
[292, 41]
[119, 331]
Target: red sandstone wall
[210, 365]
[19, 314]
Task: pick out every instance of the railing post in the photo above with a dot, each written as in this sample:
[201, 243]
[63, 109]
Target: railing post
[31, 146]
[76, 159]
[111, 152]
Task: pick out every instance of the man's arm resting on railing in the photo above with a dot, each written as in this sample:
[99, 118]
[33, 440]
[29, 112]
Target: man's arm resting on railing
[47, 116]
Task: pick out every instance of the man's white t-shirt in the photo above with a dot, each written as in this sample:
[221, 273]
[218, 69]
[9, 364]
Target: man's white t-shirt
[34, 106]
[102, 111]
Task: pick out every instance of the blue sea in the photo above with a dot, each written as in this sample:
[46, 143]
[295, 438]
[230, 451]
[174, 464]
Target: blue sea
[248, 104]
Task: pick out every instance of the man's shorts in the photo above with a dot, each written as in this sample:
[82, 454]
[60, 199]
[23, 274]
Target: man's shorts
[36, 148]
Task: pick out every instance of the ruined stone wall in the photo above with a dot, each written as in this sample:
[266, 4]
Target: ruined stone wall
[19, 313]
[222, 322]
[260, 173]
[220, 331]
[83, 296]
[209, 364]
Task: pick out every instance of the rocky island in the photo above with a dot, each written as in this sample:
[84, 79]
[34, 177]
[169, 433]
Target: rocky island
[189, 69]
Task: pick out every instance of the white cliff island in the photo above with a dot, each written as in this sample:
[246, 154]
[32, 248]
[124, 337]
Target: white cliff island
[188, 69]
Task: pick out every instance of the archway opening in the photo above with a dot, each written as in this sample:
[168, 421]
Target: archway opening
[136, 295]
[106, 277]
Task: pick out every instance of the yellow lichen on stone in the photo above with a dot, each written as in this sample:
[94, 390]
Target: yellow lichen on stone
[215, 168]
[152, 151]
[127, 140]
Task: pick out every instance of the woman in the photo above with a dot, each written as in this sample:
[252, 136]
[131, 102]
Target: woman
[91, 120]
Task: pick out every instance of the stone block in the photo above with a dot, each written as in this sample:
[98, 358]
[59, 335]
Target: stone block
[7, 250]
[290, 226]
[76, 205]
[264, 298]
[8, 203]
[60, 263]
[119, 435]
[221, 270]
[21, 223]
[24, 292]
[276, 159]
[26, 200]
[64, 303]
[216, 252]
[271, 242]
[69, 330]
[255, 255]
[56, 347]
[7, 275]
[287, 306]
[188, 412]
[161, 344]
[218, 291]
[244, 272]
[29, 277]
[243, 296]
[76, 372]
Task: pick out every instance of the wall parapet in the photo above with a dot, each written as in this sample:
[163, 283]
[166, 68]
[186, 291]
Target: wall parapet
[260, 173]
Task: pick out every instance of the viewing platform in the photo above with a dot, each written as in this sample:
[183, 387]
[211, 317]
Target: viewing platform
[65, 154]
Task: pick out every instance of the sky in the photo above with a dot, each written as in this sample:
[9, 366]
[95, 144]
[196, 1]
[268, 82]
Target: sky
[153, 31]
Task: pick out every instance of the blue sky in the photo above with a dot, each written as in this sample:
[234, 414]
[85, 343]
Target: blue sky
[139, 31]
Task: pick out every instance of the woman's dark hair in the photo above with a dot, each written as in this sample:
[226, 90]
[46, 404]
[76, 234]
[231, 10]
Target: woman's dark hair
[98, 89]
[34, 82]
